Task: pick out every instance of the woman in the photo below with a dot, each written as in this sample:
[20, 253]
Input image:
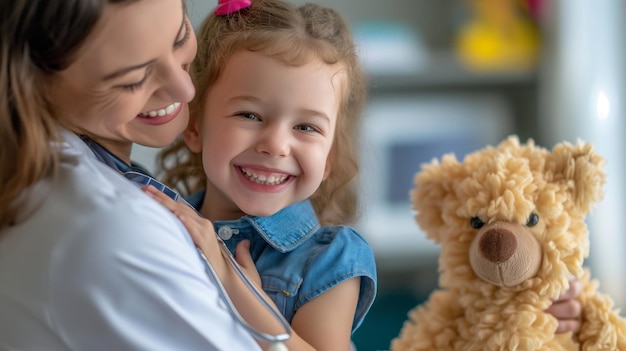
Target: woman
[87, 260]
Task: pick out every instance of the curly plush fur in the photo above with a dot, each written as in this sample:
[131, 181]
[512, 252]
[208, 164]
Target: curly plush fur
[510, 223]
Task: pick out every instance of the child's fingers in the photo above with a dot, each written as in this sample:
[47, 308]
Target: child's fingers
[244, 259]
[186, 214]
[176, 207]
[200, 229]
[243, 256]
[155, 193]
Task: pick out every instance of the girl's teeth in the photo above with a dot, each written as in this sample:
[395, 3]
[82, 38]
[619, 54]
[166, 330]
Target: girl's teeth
[262, 179]
[161, 112]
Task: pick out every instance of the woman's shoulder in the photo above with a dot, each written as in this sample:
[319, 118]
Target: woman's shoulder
[112, 209]
[89, 203]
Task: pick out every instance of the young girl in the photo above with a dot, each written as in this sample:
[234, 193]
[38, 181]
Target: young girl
[274, 123]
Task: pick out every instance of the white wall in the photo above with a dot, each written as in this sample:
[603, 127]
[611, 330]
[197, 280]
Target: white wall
[583, 95]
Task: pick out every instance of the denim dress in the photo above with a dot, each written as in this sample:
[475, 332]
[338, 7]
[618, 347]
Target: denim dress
[298, 260]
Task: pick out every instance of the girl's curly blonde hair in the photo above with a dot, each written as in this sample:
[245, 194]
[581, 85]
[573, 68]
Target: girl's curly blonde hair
[293, 35]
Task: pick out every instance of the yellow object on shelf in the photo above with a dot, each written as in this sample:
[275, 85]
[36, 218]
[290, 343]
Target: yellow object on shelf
[500, 36]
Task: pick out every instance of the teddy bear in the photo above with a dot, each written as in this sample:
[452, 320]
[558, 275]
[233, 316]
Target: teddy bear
[510, 223]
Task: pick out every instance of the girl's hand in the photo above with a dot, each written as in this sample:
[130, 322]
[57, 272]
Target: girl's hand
[566, 309]
[200, 228]
[247, 264]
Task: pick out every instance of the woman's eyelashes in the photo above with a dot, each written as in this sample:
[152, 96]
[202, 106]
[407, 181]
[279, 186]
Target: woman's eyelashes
[181, 42]
[134, 86]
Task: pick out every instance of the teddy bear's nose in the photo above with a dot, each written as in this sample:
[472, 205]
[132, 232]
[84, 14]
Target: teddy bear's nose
[498, 245]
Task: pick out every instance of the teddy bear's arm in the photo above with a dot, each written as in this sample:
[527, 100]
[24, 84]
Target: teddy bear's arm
[602, 328]
[432, 325]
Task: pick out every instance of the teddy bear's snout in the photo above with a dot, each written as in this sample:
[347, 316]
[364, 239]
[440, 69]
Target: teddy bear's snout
[505, 254]
[497, 245]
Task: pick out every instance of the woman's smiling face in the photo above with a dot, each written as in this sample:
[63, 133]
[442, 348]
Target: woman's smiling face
[130, 81]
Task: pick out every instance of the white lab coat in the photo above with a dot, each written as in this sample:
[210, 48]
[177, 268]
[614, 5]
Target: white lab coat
[98, 265]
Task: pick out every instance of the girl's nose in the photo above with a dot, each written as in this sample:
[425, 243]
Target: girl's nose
[273, 143]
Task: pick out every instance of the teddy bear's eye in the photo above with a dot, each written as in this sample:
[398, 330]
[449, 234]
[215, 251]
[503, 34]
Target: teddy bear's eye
[533, 219]
[476, 223]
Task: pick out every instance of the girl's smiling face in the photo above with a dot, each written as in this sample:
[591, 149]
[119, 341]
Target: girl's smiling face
[266, 133]
[130, 81]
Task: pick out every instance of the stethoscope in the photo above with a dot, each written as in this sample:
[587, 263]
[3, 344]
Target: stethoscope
[141, 178]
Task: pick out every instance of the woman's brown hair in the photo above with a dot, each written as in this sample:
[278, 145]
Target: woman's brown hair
[37, 39]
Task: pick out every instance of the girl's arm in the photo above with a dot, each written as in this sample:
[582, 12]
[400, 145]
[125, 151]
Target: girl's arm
[326, 321]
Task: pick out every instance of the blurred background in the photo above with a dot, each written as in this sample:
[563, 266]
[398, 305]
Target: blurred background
[456, 75]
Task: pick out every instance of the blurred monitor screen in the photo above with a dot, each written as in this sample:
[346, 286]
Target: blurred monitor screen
[402, 133]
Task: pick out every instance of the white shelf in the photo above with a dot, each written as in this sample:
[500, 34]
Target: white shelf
[443, 70]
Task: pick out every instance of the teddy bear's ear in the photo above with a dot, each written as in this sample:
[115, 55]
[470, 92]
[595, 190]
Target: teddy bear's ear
[511, 142]
[581, 170]
[433, 184]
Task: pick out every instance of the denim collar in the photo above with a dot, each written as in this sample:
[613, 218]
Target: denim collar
[285, 230]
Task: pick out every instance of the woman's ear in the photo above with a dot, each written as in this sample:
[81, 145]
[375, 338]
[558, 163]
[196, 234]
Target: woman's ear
[191, 135]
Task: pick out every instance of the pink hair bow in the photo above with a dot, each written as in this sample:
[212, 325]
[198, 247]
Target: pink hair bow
[226, 7]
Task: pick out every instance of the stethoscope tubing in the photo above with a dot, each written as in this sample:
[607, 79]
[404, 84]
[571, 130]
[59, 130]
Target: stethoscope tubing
[279, 338]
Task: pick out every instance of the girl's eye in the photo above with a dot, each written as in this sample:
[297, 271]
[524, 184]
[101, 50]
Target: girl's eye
[305, 128]
[185, 36]
[249, 115]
